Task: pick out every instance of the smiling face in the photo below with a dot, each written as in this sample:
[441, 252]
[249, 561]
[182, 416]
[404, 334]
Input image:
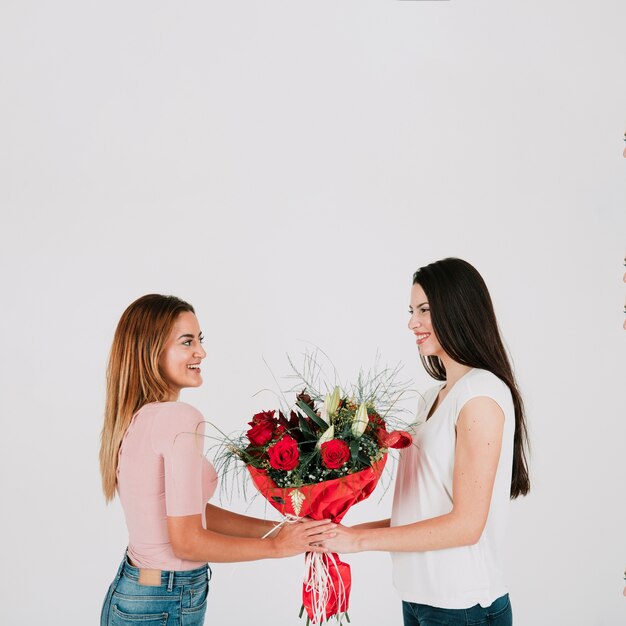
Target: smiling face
[420, 324]
[182, 355]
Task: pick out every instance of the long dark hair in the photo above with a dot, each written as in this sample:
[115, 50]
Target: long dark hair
[464, 322]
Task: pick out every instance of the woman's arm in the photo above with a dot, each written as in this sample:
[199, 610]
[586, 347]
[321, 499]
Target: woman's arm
[229, 523]
[177, 437]
[381, 523]
[190, 541]
[478, 443]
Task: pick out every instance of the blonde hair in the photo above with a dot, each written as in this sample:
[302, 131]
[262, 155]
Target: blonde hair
[133, 374]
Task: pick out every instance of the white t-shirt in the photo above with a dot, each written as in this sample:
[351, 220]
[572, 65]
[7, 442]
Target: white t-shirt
[452, 578]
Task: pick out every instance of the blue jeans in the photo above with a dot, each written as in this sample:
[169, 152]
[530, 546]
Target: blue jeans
[180, 599]
[498, 614]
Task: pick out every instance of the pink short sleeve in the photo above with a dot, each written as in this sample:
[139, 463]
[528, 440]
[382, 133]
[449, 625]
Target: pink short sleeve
[178, 436]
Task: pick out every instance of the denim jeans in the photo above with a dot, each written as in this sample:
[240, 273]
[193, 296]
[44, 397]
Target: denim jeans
[498, 614]
[180, 599]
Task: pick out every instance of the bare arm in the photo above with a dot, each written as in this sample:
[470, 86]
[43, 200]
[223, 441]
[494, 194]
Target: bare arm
[478, 443]
[229, 523]
[381, 523]
[190, 541]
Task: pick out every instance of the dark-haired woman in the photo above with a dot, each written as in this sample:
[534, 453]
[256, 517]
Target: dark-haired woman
[447, 532]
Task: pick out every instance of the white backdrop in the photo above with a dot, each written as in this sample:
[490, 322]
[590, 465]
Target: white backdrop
[285, 166]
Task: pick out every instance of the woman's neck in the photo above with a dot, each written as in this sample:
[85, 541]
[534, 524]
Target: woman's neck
[454, 370]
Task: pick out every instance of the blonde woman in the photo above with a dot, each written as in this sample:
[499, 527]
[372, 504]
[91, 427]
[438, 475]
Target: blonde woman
[151, 455]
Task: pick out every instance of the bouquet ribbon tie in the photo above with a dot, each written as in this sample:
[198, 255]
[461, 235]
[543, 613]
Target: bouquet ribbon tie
[327, 579]
[287, 519]
[326, 586]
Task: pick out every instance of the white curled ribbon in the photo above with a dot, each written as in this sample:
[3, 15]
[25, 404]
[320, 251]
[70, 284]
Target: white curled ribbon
[319, 582]
[317, 579]
[287, 519]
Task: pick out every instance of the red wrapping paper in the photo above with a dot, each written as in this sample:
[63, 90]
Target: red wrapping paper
[326, 500]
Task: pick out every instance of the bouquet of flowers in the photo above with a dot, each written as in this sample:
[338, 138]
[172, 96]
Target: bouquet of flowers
[317, 462]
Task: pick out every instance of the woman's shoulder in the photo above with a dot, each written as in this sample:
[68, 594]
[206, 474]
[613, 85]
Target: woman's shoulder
[171, 408]
[479, 382]
[477, 375]
[172, 416]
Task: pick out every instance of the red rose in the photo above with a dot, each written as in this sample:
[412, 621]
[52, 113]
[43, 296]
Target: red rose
[263, 425]
[335, 453]
[397, 439]
[284, 454]
[260, 433]
[263, 416]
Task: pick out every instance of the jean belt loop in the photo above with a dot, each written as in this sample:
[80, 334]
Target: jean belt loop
[170, 582]
[120, 569]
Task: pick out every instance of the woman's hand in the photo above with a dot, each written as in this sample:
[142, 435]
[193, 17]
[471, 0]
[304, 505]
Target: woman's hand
[305, 536]
[345, 540]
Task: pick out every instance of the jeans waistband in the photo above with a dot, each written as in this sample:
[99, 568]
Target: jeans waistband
[170, 578]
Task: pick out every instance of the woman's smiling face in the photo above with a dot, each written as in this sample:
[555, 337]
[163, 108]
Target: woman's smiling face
[420, 323]
[182, 355]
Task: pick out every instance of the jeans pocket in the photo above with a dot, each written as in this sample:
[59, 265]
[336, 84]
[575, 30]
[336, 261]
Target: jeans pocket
[197, 595]
[120, 618]
[193, 616]
[501, 614]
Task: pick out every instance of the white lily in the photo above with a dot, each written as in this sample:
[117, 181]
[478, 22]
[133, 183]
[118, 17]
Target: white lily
[331, 404]
[324, 413]
[332, 401]
[360, 421]
[327, 435]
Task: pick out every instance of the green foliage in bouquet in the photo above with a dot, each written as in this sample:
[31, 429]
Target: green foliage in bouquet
[320, 439]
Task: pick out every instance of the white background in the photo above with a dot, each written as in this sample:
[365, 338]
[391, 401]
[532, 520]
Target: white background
[285, 166]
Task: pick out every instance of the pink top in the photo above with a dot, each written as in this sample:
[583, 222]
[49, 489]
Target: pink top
[162, 472]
